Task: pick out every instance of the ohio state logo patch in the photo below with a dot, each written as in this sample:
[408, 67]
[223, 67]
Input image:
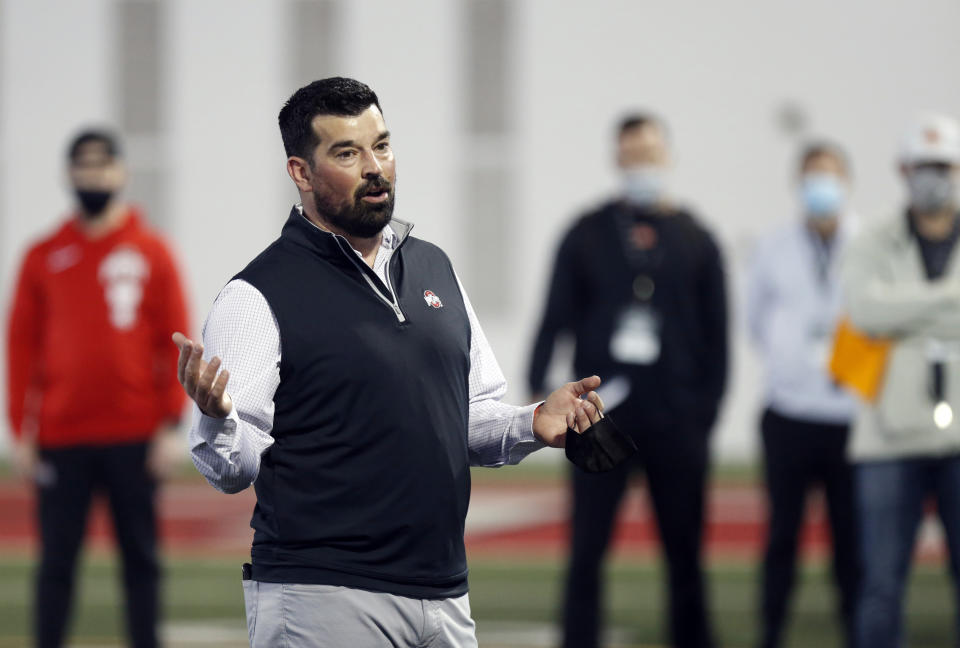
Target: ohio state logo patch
[431, 299]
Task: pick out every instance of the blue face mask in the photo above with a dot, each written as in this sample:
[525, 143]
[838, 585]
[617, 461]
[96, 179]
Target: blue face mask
[823, 195]
[644, 185]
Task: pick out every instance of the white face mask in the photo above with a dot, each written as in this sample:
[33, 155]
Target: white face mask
[644, 185]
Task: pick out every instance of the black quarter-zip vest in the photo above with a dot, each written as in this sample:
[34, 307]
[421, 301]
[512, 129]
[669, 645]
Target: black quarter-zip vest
[367, 482]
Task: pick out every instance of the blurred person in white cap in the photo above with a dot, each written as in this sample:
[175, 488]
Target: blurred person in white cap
[902, 284]
[793, 303]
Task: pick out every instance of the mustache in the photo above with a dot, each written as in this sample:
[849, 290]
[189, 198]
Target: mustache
[374, 185]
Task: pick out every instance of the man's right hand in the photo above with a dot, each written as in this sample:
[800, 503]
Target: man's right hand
[200, 379]
[25, 458]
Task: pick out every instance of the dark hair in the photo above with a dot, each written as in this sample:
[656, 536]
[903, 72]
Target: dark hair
[110, 141]
[820, 148]
[334, 96]
[639, 120]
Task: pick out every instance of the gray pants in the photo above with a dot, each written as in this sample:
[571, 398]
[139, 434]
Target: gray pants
[281, 615]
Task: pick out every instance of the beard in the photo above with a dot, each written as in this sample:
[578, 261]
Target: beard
[360, 219]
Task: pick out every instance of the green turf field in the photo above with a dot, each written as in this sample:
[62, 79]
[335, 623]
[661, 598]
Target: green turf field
[515, 604]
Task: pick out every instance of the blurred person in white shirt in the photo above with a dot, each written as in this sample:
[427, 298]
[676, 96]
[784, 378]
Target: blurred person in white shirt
[793, 303]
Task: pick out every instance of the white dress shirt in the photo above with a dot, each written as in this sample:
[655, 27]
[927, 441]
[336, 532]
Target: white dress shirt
[793, 304]
[242, 331]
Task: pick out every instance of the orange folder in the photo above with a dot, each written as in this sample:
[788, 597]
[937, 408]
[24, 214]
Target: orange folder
[858, 361]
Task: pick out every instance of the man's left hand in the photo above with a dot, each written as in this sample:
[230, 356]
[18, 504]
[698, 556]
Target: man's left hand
[165, 452]
[564, 409]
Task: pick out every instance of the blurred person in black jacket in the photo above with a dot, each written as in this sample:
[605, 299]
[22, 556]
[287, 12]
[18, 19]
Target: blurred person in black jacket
[639, 283]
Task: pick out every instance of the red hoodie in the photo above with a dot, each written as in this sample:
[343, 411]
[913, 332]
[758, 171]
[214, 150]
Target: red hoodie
[90, 361]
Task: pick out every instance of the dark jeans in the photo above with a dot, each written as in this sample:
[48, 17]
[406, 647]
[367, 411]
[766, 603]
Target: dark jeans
[674, 458]
[797, 455]
[64, 500]
[890, 497]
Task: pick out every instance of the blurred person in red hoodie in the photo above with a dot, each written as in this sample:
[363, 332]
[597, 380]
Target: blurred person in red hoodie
[93, 397]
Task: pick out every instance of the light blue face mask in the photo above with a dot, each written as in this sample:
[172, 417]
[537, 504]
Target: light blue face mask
[644, 185]
[823, 195]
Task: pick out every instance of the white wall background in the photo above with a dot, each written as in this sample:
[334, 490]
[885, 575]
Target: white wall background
[719, 73]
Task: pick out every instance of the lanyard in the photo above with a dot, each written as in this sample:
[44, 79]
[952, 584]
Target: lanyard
[936, 385]
[822, 254]
[643, 252]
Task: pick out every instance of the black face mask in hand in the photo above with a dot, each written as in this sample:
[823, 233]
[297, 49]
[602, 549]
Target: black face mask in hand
[600, 448]
[93, 203]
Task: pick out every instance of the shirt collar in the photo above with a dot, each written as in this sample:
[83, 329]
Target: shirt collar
[388, 240]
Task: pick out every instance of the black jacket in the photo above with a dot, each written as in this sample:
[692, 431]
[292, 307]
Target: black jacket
[594, 282]
[367, 482]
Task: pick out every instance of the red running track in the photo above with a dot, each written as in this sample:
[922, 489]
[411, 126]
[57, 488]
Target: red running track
[505, 520]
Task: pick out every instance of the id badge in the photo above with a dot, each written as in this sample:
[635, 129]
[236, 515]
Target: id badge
[819, 345]
[636, 338]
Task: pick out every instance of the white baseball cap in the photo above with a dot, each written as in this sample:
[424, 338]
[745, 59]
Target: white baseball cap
[932, 138]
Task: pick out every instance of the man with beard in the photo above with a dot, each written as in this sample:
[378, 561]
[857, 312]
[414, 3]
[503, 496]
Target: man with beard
[93, 394]
[361, 390]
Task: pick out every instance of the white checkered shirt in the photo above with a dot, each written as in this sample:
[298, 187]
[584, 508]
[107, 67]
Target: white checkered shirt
[242, 331]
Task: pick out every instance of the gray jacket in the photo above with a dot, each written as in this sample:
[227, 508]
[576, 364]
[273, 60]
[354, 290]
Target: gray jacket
[888, 295]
